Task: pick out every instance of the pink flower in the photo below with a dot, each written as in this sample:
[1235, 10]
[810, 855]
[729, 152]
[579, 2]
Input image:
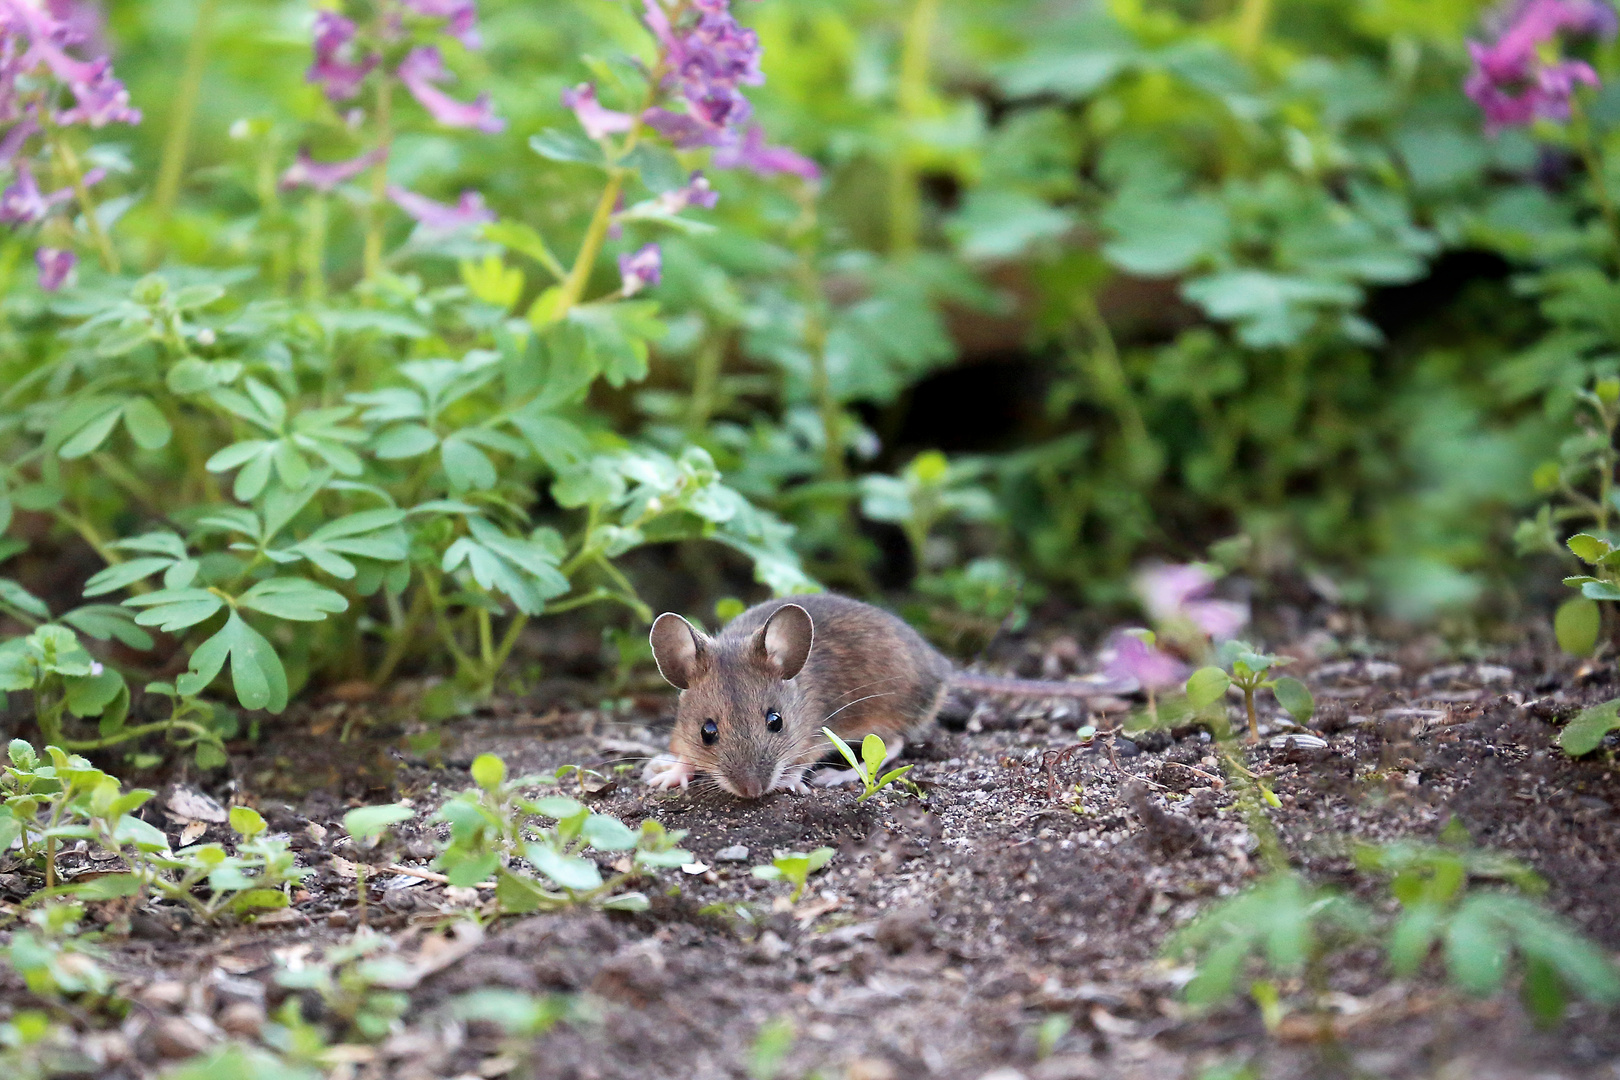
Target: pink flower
[696, 192]
[752, 154]
[641, 269]
[23, 203]
[1173, 594]
[421, 69]
[1515, 81]
[597, 121]
[1130, 656]
[323, 176]
[55, 267]
[462, 16]
[334, 67]
[467, 212]
[98, 97]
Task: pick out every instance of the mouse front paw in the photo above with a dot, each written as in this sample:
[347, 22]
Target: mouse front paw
[835, 777]
[666, 772]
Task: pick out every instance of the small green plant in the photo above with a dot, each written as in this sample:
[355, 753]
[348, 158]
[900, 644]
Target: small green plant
[34, 1047]
[794, 867]
[1479, 931]
[873, 754]
[1586, 732]
[1580, 487]
[53, 960]
[1238, 664]
[772, 1044]
[926, 493]
[357, 983]
[69, 799]
[1283, 923]
[495, 824]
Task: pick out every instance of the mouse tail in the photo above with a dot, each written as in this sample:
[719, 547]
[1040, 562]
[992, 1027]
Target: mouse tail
[1086, 686]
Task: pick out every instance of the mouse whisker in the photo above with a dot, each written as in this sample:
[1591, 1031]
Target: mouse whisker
[857, 701]
[863, 686]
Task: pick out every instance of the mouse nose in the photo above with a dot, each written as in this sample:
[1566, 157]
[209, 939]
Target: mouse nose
[751, 787]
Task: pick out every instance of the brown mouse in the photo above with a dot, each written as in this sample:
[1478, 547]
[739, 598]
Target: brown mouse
[755, 697]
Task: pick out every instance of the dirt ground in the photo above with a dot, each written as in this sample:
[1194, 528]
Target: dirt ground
[946, 932]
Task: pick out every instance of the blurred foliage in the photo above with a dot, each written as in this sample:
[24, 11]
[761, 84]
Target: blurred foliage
[1270, 274]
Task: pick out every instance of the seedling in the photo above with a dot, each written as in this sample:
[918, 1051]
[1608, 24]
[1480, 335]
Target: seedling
[494, 825]
[873, 754]
[772, 1044]
[1283, 924]
[1586, 732]
[1248, 672]
[794, 867]
[1479, 931]
[354, 982]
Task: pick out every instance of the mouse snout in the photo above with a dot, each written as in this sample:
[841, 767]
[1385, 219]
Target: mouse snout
[750, 787]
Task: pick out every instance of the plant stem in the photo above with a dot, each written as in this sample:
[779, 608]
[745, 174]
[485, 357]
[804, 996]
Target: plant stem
[905, 206]
[315, 249]
[1248, 707]
[90, 535]
[133, 733]
[579, 275]
[87, 205]
[400, 643]
[1253, 18]
[705, 382]
[1592, 158]
[379, 178]
[177, 143]
[1101, 365]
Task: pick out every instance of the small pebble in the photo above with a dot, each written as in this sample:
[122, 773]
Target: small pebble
[1301, 742]
[174, 1038]
[734, 853]
[1126, 748]
[243, 1018]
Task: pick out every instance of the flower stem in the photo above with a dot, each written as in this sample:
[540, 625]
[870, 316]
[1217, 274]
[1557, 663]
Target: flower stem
[579, 275]
[379, 178]
[1592, 158]
[87, 205]
[705, 381]
[1253, 18]
[905, 205]
[315, 249]
[177, 143]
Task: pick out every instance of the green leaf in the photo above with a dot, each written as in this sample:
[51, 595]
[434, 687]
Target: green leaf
[567, 146]
[1601, 590]
[872, 753]
[108, 887]
[1588, 548]
[568, 871]
[88, 695]
[467, 467]
[630, 901]
[606, 833]
[1206, 686]
[146, 424]
[488, 771]
[247, 822]
[1585, 733]
[256, 671]
[1295, 697]
[175, 609]
[469, 870]
[294, 598]
[1577, 625]
[1476, 954]
[368, 821]
[1413, 937]
[844, 748]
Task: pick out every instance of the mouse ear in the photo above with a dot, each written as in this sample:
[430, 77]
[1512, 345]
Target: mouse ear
[785, 639]
[680, 648]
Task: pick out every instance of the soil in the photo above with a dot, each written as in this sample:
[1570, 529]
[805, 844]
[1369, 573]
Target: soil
[1035, 879]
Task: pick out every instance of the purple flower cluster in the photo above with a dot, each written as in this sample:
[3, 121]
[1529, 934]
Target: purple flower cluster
[1519, 78]
[42, 81]
[709, 57]
[640, 269]
[345, 58]
[705, 58]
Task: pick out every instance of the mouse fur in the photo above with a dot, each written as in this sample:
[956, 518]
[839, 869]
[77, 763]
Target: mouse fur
[816, 660]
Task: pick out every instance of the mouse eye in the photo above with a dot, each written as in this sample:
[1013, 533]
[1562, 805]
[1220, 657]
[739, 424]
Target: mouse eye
[773, 721]
[711, 733]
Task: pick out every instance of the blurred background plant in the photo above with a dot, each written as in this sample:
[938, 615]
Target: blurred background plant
[368, 332]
